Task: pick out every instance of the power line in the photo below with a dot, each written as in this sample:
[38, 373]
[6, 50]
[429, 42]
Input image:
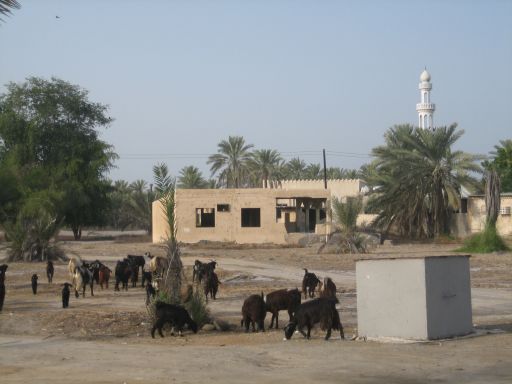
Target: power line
[198, 156]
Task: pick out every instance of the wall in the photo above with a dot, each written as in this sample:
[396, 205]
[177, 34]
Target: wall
[391, 298]
[414, 298]
[448, 296]
[477, 216]
[338, 188]
[228, 224]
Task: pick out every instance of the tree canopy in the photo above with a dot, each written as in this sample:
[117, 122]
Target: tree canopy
[417, 178]
[49, 142]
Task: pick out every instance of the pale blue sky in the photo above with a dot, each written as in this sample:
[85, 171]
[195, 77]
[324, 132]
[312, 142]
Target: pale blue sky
[296, 76]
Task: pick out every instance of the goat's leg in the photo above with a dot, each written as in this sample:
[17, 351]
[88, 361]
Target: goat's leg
[308, 336]
[277, 320]
[92, 293]
[301, 330]
[328, 334]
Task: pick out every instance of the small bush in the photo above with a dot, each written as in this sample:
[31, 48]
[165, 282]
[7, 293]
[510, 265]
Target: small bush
[198, 309]
[485, 242]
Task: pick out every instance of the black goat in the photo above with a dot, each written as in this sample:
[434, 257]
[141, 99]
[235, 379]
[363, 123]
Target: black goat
[139, 261]
[123, 273]
[49, 271]
[309, 283]
[147, 277]
[34, 283]
[321, 310]
[211, 285]
[254, 312]
[200, 269]
[175, 315]
[83, 276]
[3, 268]
[282, 299]
[65, 294]
[150, 293]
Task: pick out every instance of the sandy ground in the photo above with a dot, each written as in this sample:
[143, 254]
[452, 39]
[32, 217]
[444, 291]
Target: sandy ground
[105, 338]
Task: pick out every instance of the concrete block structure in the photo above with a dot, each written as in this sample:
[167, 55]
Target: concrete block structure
[420, 298]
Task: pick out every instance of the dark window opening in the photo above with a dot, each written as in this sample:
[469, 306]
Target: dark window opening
[205, 217]
[250, 217]
[278, 213]
[463, 205]
[322, 214]
[222, 207]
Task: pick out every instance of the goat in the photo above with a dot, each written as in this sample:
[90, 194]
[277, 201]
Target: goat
[104, 275]
[309, 283]
[254, 312]
[211, 285]
[49, 271]
[150, 293]
[320, 310]
[200, 269]
[83, 277]
[73, 263]
[65, 294]
[139, 261]
[3, 268]
[158, 264]
[328, 289]
[282, 299]
[146, 278]
[175, 315]
[135, 273]
[123, 273]
[34, 283]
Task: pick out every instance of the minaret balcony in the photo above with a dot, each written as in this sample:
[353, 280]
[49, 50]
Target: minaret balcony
[425, 107]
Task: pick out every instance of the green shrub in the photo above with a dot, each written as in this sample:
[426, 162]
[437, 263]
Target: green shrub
[484, 242]
[197, 308]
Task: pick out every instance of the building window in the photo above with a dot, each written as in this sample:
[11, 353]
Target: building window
[250, 217]
[222, 207]
[463, 205]
[205, 217]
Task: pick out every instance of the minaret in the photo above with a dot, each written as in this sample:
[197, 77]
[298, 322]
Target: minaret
[425, 108]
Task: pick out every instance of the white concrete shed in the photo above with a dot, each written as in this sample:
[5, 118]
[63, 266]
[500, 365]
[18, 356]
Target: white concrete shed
[421, 298]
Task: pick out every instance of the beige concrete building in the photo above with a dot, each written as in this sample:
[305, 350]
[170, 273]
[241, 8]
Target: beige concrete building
[476, 214]
[471, 218]
[254, 215]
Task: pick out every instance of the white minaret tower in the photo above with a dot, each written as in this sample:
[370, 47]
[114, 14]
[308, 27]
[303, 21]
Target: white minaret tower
[425, 108]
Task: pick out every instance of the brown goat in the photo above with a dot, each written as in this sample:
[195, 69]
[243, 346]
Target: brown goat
[282, 299]
[254, 312]
[328, 289]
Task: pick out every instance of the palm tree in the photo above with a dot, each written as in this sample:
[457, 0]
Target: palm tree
[231, 161]
[265, 165]
[191, 178]
[295, 169]
[314, 172]
[341, 173]
[502, 162]
[7, 5]
[141, 200]
[418, 179]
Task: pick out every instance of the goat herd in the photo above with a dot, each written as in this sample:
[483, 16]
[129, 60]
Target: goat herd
[302, 316]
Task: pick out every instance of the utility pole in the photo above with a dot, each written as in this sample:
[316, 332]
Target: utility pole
[325, 171]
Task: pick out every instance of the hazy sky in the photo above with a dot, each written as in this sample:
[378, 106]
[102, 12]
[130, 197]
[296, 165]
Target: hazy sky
[296, 76]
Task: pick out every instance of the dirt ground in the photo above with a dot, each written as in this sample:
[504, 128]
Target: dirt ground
[106, 338]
